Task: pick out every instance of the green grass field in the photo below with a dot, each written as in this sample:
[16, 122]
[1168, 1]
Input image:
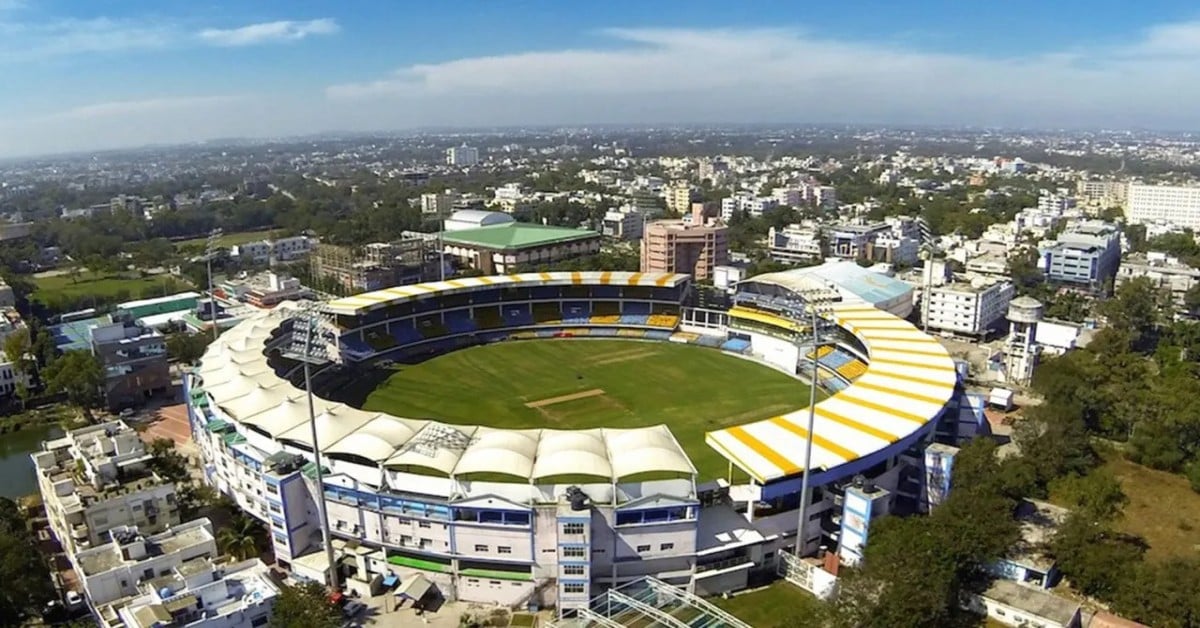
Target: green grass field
[617, 383]
[64, 287]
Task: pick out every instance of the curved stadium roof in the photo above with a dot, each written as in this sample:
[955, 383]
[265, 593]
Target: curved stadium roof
[909, 380]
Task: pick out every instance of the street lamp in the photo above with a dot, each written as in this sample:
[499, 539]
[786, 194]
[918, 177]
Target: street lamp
[816, 302]
[310, 326]
[210, 251]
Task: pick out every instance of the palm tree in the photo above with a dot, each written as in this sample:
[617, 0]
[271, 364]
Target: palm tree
[240, 537]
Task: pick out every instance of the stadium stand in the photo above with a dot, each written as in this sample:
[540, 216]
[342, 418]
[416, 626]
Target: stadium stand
[852, 370]
[636, 307]
[576, 312]
[405, 334]
[488, 317]
[710, 341]
[685, 336]
[631, 333]
[605, 319]
[658, 334]
[606, 308]
[431, 328]
[547, 313]
[516, 315]
[378, 340]
[633, 319]
[669, 321]
[820, 352]
[460, 322]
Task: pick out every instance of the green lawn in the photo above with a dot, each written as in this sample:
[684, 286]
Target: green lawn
[228, 239]
[691, 389]
[108, 285]
[781, 605]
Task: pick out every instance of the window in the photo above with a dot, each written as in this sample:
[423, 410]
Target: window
[573, 552]
[481, 548]
[259, 621]
[504, 549]
[573, 587]
[643, 548]
[573, 570]
[572, 528]
[423, 524]
[666, 546]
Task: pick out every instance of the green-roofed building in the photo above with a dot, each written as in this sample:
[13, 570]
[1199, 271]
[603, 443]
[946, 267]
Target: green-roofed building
[499, 249]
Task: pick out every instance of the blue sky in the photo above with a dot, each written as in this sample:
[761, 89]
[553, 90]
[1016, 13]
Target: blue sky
[87, 75]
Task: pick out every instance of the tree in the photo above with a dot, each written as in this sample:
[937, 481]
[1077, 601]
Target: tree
[1097, 495]
[26, 577]
[1134, 308]
[1162, 594]
[187, 347]
[1095, 558]
[80, 375]
[18, 350]
[304, 606]
[166, 461]
[240, 537]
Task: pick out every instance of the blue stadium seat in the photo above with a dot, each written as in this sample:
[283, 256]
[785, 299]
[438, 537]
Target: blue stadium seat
[516, 315]
[459, 322]
[604, 331]
[576, 312]
[634, 319]
[736, 345]
[355, 348]
[659, 334]
[405, 335]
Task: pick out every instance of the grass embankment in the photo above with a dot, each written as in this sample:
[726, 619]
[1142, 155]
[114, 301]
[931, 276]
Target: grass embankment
[580, 384]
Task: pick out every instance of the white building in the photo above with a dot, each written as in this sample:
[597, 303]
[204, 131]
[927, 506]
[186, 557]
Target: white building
[1164, 271]
[969, 309]
[437, 203]
[623, 224]
[199, 593]
[462, 156]
[475, 218]
[790, 197]
[281, 250]
[119, 566]
[746, 203]
[1176, 204]
[1012, 604]
[794, 244]
[7, 297]
[9, 378]
[96, 479]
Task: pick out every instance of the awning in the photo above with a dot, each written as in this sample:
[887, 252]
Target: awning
[415, 588]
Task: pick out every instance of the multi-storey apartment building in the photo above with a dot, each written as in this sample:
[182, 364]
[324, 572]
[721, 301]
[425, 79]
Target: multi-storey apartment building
[679, 197]
[97, 478]
[974, 308]
[462, 156]
[672, 246]
[795, 244]
[1175, 204]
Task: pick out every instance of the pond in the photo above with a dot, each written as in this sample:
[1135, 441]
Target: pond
[17, 478]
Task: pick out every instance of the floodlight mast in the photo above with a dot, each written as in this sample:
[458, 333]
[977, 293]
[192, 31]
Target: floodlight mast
[210, 251]
[311, 318]
[813, 303]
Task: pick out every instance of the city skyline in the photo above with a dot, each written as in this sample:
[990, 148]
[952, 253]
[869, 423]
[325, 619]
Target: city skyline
[90, 78]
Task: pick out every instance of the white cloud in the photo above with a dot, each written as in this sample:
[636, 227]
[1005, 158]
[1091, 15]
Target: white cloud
[124, 108]
[24, 41]
[268, 32]
[684, 75]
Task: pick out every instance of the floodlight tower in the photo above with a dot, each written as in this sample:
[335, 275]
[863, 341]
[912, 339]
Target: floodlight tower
[815, 303]
[310, 345]
[210, 251]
